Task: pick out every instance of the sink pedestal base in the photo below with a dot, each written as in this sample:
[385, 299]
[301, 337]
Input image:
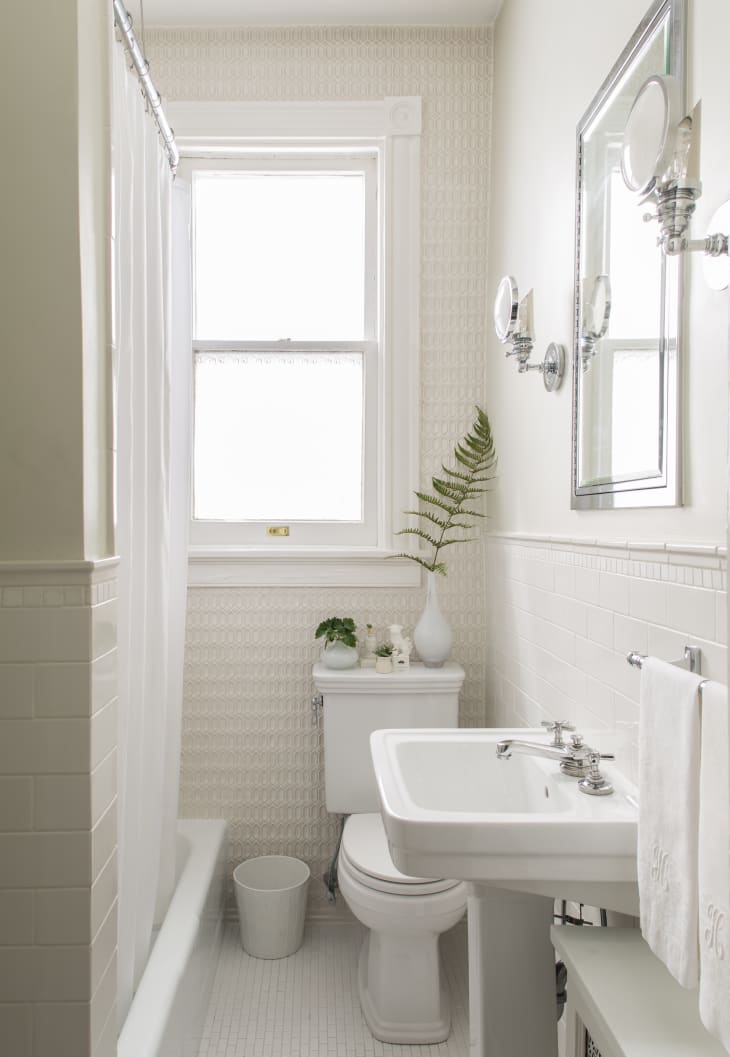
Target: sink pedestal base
[512, 1008]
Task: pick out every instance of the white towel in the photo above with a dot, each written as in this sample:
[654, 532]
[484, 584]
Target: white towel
[669, 766]
[714, 864]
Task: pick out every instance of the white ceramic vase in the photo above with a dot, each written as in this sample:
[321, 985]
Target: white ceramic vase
[337, 655]
[432, 634]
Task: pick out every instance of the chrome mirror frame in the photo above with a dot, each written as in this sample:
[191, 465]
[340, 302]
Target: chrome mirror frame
[662, 488]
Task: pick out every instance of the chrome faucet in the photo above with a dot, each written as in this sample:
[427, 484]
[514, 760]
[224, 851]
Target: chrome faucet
[576, 759]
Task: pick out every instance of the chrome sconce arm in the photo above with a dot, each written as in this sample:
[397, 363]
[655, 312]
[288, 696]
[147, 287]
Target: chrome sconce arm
[660, 162]
[513, 326]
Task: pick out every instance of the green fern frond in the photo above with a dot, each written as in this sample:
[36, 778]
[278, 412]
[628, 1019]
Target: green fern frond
[426, 498]
[467, 477]
[421, 561]
[462, 458]
[418, 532]
[456, 474]
[476, 458]
[446, 490]
[442, 524]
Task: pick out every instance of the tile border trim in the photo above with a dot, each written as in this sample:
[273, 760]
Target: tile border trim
[642, 550]
[69, 573]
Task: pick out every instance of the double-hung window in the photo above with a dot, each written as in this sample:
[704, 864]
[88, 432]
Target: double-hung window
[285, 342]
[304, 288]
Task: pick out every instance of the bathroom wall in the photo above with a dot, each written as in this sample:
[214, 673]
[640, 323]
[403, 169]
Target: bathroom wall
[57, 609]
[250, 752]
[572, 591]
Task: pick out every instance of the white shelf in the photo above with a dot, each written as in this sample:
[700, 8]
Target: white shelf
[626, 997]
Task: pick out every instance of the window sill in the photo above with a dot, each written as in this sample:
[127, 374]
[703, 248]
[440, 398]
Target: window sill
[299, 567]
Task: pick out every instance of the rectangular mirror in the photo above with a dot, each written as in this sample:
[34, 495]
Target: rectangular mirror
[627, 299]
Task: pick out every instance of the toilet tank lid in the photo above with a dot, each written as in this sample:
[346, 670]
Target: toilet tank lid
[417, 677]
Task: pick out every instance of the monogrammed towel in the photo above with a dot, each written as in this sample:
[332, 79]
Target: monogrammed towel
[714, 865]
[669, 773]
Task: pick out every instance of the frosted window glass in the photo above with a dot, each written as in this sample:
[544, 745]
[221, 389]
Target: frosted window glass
[278, 436]
[279, 255]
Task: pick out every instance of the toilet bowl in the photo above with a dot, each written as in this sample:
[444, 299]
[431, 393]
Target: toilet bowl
[400, 985]
[401, 991]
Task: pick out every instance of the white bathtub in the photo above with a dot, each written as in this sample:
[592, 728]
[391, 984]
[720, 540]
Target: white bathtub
[167, 1014]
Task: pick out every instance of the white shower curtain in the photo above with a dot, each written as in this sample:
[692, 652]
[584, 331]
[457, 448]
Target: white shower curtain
[152, 517]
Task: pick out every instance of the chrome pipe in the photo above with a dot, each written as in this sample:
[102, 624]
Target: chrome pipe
[123, 22]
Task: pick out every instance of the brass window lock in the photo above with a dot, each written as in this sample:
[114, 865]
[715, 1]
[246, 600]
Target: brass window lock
[277, 530]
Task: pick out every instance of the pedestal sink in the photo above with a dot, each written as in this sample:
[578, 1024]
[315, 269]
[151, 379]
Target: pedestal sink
[523, 835]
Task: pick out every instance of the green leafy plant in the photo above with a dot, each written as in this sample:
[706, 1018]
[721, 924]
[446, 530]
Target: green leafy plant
[445, 512]
[386, 650]
[337, 629]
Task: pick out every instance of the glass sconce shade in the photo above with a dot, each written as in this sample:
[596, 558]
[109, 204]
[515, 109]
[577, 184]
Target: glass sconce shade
[597, 309]
[506, 308]
[650, 135]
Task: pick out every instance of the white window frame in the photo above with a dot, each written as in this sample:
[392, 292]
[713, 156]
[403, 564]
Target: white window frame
[212, 533]
[390, 129]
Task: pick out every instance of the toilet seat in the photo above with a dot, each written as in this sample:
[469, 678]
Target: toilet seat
[365, 849]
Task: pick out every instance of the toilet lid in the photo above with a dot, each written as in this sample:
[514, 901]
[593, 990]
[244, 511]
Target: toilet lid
[366, 847]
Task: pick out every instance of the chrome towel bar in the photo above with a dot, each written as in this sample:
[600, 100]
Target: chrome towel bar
[692, 660]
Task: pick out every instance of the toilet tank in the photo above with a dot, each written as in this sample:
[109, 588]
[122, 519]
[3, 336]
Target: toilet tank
[360, 700]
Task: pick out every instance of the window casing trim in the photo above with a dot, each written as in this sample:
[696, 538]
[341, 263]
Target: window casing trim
[393, 127]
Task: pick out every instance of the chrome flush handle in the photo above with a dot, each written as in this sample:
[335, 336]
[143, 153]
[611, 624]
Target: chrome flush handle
[316, 705]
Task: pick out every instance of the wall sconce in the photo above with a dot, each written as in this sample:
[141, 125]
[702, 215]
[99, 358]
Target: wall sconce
[513, 326]
[594, 318]
[660, 162]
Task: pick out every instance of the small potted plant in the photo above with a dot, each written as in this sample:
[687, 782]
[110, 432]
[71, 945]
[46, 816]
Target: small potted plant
[340, 642]
[384, 658]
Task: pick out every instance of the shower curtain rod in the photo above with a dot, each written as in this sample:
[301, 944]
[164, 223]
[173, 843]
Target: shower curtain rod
[123, 22]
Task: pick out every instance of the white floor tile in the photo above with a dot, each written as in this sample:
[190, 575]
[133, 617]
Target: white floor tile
[307, 1006]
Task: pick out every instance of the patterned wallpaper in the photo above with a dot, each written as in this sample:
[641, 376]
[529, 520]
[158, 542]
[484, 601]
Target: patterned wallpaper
[250, 752]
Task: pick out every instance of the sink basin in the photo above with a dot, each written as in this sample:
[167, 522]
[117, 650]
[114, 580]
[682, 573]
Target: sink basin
[522, 834]
[451, 808]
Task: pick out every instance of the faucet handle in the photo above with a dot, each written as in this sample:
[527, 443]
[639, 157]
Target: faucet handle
[594, 784]
[556, 728]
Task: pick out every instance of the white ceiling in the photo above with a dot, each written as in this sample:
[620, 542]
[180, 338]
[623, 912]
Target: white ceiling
[315, 12]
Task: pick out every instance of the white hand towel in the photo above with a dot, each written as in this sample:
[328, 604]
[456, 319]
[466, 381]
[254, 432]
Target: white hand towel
[714, 864]
[669, 766]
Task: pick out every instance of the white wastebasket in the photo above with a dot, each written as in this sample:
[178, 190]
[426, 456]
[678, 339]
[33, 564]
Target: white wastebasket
[271, 893]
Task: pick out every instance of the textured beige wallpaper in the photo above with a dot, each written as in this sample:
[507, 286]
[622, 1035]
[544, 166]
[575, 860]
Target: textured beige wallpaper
[250, 753]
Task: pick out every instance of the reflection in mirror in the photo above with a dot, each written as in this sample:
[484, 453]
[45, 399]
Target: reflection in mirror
[627, 298]
[596, 315]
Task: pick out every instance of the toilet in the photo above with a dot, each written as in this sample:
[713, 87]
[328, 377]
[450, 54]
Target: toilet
[400, 983]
